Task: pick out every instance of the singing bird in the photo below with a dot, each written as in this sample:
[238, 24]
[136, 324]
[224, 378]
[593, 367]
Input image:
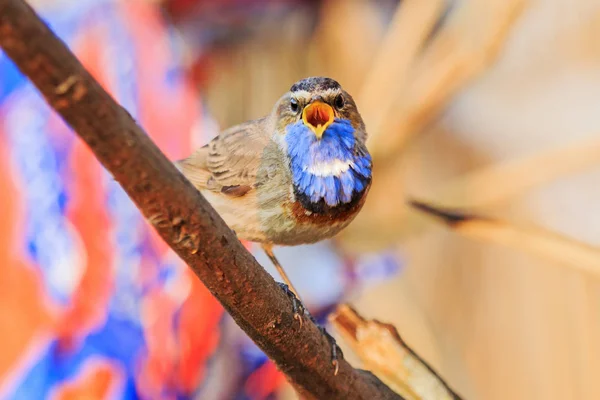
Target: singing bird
[299, 175]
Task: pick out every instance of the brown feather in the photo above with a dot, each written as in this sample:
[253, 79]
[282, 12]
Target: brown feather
[229, 163]
[236, 191]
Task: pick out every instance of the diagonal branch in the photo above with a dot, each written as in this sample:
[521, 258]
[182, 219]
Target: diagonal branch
[182, 217]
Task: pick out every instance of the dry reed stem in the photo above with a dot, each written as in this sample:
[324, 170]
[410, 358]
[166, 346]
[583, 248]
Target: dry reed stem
[346, 41]
[413, 21]
[382, 351]
[500, 182]
[539, 242]
[465, 46]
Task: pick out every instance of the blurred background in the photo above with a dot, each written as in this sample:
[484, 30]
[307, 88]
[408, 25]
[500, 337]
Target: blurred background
[487, 107]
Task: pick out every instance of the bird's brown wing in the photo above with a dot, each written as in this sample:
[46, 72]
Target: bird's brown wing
[230, 162]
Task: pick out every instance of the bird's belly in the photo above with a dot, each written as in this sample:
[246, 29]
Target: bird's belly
[279, 219]
[241, 214]
[289, 232]
[297, 225]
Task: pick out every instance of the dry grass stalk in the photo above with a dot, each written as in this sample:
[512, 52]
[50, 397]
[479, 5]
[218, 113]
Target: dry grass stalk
[500, 182]
[464, 47]
[383, 352]
[410, 27]
[536, 241]
[345, 41]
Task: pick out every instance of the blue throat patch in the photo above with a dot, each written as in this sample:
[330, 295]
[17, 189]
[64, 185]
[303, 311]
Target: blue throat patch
[337, 145]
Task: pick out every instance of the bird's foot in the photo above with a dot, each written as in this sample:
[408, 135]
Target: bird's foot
[299, 312]
[336, 352]
[297, 306]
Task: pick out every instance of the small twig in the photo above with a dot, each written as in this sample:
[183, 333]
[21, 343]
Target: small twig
[505, 180]
[179, 213]
[536, 241]
[381, 349]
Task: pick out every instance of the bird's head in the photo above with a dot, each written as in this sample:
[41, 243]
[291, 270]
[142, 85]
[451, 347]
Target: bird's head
[322, 133]
[317, 102]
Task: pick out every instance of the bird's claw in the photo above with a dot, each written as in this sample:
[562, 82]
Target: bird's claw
[298, 318]
[297, 306]
[336, 367]
[336, 352]
[300, 312]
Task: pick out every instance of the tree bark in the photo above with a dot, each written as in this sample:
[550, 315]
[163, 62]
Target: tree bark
[179, 213]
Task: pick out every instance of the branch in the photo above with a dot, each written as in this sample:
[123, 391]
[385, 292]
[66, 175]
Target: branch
[507, 179]
[182, 217]
[381, 348]
[536, 241]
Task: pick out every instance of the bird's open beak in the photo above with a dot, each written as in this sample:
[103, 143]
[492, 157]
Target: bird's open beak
[318, 116]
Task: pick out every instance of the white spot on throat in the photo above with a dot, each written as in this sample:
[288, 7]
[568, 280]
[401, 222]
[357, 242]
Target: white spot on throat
[334, 167]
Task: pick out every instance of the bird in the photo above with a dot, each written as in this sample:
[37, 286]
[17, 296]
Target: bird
[296, 176]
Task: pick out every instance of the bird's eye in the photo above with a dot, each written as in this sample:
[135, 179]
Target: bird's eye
[339, 102]
[294, 105]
